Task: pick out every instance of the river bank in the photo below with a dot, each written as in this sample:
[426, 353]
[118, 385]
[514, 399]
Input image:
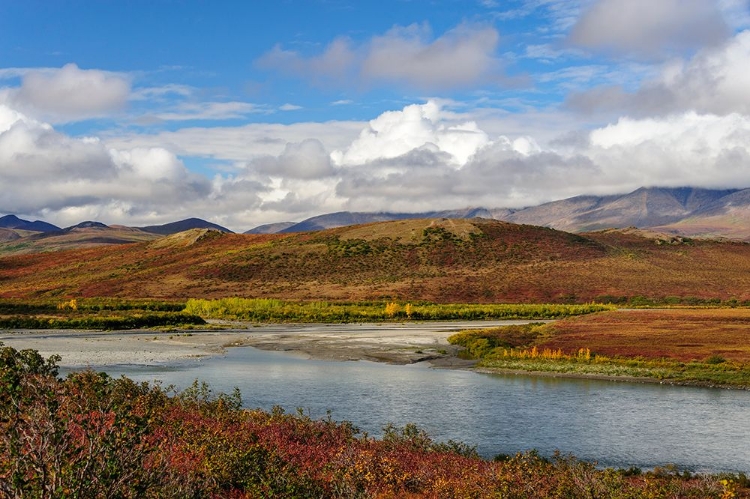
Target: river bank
[406, 343]
[393, 343]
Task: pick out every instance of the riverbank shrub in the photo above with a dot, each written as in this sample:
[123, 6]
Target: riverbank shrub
[94, 313]
[90, 435]
[273, 310]
[521, 348]
[130, 321]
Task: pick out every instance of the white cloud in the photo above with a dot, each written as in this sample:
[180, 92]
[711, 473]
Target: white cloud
[158, 93]
[333, 64]
[736, 13]
[461, 57]
[241, 143]
[650, 29]
[290, 107]
[187, 111]
[304, 160]
[422, 157]
[688, 149]
[155, 164]
[43, 170]
[395, 133]
[409, 56]
[69, 93]
[715, 81]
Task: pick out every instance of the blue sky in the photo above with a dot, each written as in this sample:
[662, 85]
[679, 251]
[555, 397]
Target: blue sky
[244, 113]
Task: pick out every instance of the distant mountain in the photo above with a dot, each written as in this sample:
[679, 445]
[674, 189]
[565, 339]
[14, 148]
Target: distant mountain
[270, 228]
[727, 217]
[182, 225]
[685, 210]
[13, 222]
[643, 208]
[83, 235]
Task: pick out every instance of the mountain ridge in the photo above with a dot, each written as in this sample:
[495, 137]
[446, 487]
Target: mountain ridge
[686, 211]
[661, 208]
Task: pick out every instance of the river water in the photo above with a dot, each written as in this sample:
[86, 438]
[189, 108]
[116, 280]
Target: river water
[613, 423]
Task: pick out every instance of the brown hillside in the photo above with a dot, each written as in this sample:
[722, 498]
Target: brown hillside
[438, 260]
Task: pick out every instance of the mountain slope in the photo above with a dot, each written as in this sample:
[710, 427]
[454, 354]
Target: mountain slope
[82, 235]
[442, 260]
[13, 222]
[682, 210]
[643, 208]
[182, 225]
[270, 228]
[347, 218]
[727, 217]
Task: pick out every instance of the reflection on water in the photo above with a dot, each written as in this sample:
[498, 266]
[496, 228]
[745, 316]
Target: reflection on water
[615, 424]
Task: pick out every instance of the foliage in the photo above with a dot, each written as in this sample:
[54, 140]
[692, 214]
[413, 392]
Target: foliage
[133, 321]
[89, 305]
[539, 348]
[93, 313]
[90, 435]
[273, 310]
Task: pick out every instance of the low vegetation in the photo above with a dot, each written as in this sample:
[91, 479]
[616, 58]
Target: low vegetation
[101, 313]
[440, 261]
[272, 310]
[685, 346]
[90, 435]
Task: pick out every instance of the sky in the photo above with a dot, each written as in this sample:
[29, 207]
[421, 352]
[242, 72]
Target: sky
[144, 112]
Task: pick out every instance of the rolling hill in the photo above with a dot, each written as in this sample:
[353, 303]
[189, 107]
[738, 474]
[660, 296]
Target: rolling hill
[441, 260]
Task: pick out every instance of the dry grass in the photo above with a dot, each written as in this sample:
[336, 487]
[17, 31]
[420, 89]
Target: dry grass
[409, 231]
[681, 334]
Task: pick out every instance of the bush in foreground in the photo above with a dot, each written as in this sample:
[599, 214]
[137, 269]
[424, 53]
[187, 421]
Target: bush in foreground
[93, 436]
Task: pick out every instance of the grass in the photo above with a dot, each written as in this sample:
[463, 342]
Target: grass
[684, 346]
[272, 310]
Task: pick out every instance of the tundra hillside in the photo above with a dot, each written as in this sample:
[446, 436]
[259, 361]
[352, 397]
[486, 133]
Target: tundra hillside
[437, 260]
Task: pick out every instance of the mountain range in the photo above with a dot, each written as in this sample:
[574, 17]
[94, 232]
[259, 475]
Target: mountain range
[684, 211]
[22, 236]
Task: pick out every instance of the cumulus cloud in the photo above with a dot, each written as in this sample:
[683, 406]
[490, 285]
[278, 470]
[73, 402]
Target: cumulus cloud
[42, 169]
[69, 93]
[407, 55]
[422, 157]
[395, 133]
[304, 160]
[689, 149]
[714, 81]
[648, 29]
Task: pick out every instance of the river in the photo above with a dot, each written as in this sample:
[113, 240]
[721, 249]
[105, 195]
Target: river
[613, 423]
